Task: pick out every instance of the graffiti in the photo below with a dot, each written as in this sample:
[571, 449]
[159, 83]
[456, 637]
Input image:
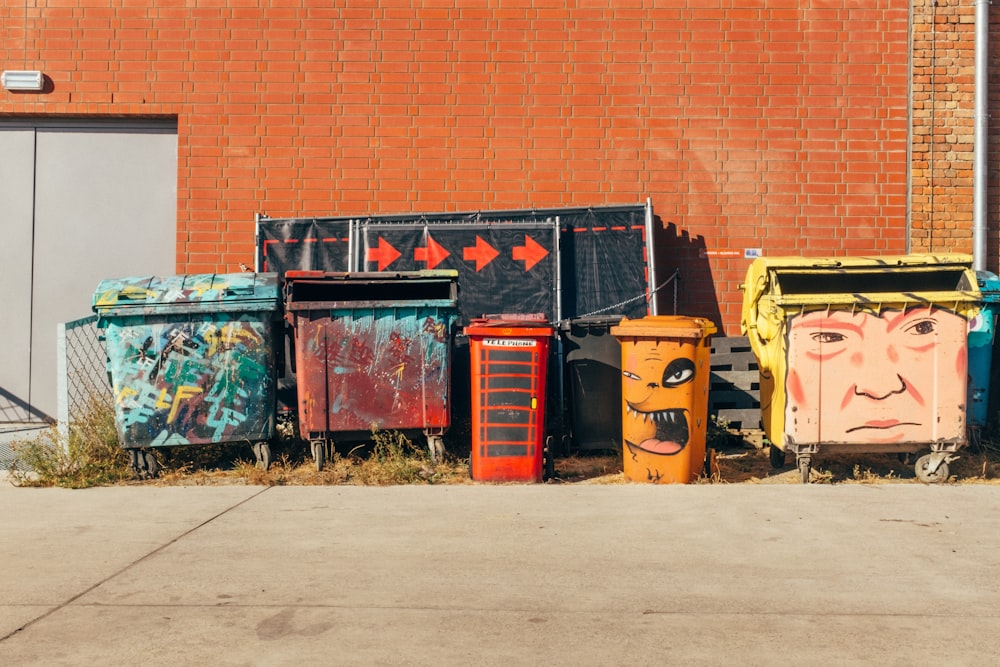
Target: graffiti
[366, 367]
[664, 395]
[436, 328]
[864, 376]
[192, 382]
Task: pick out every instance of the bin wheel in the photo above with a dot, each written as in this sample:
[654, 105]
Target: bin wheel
[804, 463]
[262, 452]
[928, 476]
[435, 444]
[777, 456]
[319, 453]
[137, 462]
[711, 467]
[550, 461]
[144, 463]
[152, 464]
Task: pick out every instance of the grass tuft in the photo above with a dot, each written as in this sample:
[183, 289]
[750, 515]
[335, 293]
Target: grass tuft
[89, 456]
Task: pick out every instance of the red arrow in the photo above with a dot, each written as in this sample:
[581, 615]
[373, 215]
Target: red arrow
[483, 253]
[433, 254]
[384, 254]
[531, 252]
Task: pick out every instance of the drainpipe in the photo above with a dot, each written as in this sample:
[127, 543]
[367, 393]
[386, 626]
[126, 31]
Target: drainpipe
[981, 129]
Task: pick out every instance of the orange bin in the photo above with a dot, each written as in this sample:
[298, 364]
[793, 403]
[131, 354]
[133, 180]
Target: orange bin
[509, 362]
[665, 381]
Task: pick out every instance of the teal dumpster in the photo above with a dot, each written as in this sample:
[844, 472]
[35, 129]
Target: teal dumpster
[191, 360]
[982, 329]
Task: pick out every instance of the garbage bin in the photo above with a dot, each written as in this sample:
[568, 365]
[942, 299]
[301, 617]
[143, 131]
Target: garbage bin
[862, 354]
[372, 351]
[982, 329]
[191, 359]
[509, 362]
[592, 368]
[665, 378]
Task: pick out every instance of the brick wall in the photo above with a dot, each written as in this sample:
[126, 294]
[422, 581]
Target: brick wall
[943, 125]
[747, 126]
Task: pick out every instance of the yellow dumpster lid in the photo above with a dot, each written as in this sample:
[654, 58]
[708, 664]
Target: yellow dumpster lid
[664, 326]
[903, 279]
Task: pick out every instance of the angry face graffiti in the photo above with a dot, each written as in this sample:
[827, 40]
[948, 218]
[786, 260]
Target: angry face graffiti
[657, 393]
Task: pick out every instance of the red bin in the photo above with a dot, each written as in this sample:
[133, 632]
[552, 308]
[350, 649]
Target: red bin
[509, 362]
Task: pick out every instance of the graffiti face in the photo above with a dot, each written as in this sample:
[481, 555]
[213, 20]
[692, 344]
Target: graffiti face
[860, 377]
[657, 391]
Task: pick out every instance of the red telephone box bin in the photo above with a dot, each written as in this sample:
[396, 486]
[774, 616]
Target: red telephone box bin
[510, 356]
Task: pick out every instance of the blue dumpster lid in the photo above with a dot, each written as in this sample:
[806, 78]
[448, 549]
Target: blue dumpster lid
[203, 292]
[989, 286]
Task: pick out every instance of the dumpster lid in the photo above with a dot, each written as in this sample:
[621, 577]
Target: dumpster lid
[664, 326]
[845, 280]
[308, 290]
[240, 291]
[989, 285]
[591, 322]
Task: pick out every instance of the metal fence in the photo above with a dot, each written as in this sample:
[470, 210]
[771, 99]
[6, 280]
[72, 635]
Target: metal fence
[82, 371]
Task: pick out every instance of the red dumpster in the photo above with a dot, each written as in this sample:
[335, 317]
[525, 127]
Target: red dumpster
[509, 361]
[372, 350]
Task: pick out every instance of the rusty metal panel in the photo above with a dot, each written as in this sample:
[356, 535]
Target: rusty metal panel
[382, 367]
[186, 366]
[365, 357]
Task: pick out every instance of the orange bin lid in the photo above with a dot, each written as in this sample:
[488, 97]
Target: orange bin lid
[664, 326]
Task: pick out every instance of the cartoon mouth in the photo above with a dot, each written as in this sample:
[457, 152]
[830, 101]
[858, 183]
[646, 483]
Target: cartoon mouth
[881, 425]
[671, 430]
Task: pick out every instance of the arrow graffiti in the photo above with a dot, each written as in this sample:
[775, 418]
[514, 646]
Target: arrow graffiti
[482, 253]
[433, 254]
[531, 252]
[385, 254]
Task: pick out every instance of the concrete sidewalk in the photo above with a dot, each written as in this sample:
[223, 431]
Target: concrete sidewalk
[461, 575]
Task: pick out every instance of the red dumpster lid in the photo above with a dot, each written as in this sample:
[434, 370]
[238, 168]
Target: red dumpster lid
[510, 325]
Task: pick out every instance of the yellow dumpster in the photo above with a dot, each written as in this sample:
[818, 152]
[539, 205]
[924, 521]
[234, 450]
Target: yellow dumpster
[665, 381]
[862, 354]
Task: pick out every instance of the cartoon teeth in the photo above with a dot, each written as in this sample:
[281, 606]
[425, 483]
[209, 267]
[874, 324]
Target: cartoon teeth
[661, 416]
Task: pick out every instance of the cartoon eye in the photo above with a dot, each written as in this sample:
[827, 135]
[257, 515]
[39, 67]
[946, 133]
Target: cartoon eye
[678, 372]
[631, 376]
[827, 337]
[922, 328]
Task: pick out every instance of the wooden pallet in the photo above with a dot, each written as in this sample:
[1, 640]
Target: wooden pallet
[734, 394]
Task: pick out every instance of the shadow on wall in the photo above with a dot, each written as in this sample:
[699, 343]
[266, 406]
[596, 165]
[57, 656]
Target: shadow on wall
[677, 250]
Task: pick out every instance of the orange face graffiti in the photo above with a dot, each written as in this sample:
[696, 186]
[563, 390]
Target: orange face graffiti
[658, 391]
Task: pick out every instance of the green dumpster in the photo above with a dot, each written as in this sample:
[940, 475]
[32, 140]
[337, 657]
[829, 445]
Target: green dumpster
[862, 354]
[982, 330]
[191, 359]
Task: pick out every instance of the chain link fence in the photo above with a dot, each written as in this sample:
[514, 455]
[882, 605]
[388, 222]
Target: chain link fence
[81, 383]
[82, 374]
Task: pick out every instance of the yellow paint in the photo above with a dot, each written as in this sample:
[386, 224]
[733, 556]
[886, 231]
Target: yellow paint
[879, 369]
[665, 381]
[161, 403]
[126, 392]
[183, 393]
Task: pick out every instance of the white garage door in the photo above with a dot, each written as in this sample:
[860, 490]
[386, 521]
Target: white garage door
[82, 201]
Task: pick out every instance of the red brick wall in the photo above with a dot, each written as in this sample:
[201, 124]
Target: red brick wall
[747, 126]
[943, 125]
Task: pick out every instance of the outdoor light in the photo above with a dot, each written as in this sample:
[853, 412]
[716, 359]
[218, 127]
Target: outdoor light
[24, 80]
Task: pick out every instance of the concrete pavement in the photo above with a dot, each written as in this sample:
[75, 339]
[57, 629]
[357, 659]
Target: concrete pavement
[453, 575]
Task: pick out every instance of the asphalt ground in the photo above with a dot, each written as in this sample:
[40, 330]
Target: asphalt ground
[501, 575]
